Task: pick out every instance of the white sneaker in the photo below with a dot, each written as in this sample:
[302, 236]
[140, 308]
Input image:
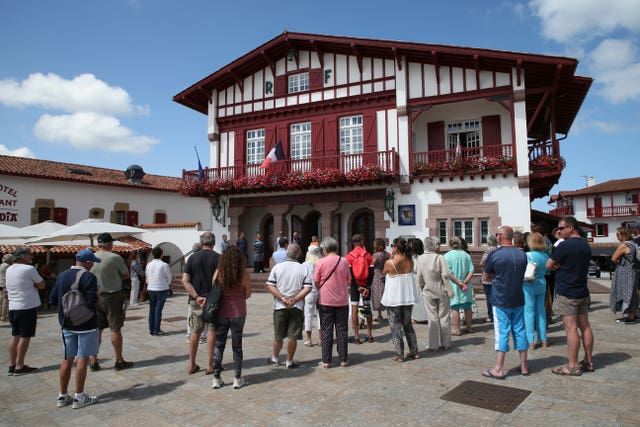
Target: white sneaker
[217, 383]
[86, 401]
[239, 383]
[64, 400]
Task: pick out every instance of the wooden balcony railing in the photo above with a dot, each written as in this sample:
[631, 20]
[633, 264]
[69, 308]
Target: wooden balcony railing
[545, 157]
[464, 160]
[315, 172]
[613, 211]
[563, 211]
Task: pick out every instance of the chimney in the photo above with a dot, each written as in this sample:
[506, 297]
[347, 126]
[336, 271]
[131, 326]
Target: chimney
[591, 181]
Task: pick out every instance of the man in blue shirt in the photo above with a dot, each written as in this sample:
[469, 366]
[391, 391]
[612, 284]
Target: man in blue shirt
[280, 255]
[570, 260]
[505, 269]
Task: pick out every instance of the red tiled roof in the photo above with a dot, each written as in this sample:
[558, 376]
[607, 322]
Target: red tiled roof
[171, 225]
[615, 185]
[134, 245]
[46, 169]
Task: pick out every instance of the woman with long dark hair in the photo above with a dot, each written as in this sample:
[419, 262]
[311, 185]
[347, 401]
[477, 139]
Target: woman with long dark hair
[399, 297]
[233, 277]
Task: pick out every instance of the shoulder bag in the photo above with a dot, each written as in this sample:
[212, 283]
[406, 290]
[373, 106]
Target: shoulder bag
[530, 272]
[210, 311]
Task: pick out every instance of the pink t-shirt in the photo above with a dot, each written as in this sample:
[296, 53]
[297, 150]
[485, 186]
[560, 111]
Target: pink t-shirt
[335, 291]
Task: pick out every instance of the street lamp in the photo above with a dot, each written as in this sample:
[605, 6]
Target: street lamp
[389, 204]
[219, 211]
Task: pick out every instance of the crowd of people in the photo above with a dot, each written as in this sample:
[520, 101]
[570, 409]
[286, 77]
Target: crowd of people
[331, 289]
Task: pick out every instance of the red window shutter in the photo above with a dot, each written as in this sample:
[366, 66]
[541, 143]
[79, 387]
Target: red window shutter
[331, 141]
[160, 218]
[60, 215]
[634, 198]
[370, 136]
[435, 135]
[605, 230]
[239, 154]
[315, 79]
[132, 218]
[317, 143]
[281, 86]
[491, 130]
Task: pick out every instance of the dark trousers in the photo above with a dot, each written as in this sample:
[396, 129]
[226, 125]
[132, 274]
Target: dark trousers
[258, 266]
[236, 325]
[338, 318]
[487, 295]
[156, 305]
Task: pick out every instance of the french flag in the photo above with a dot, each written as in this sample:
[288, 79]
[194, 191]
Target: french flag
[276, 154]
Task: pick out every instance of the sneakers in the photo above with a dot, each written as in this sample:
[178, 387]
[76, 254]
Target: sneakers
[217, 383]
[95, 367]
[239, 383]
[293, 365]
[11, 370]
[24, 370]
[626, 320]
[86, 401]
[119, 366]
[64, 400]
[273, 361]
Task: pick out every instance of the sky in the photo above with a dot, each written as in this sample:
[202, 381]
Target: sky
[91, 81]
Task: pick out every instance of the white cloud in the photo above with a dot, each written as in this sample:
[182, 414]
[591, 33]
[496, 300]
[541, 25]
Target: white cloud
[568, 20]
[82, 93]
[18, 152]
[92, 131]
[617, 69]
[612, 54]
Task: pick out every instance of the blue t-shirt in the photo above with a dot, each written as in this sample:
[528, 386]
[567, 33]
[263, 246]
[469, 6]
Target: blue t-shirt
[88, 285]
[573, 255]
[507, 263]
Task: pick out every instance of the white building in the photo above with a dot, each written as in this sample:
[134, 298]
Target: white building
[383, 138]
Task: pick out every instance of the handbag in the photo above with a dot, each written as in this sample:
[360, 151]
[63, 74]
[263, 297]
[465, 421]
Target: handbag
[530, 272]
[444, 283]
[211, 305]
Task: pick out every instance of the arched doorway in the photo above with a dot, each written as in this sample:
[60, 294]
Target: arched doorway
[266, 230]
[362, 222]
[311, 227]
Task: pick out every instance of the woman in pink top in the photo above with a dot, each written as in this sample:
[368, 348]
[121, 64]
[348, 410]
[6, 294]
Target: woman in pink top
[332, 277]
[233, 277]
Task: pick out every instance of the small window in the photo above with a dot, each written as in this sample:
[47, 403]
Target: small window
[255, 146]
[121, 217]
[44, 214]
[351, 141]
[299, 82]
[160, 218]
[484, 230]
[301, 141]
[442, 231]
[601, 230]
[466, 133]
[464, 228]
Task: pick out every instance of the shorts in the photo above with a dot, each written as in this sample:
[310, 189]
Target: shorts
[196, 324]
[288, 322]
[23, 322]
[81, 344]
[355, 295]
[565, 306]
[110, 311]
[509, 321]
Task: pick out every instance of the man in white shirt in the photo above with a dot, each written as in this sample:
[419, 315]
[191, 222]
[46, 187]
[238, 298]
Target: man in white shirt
[23, 282]
[159, 278]
[289, 282]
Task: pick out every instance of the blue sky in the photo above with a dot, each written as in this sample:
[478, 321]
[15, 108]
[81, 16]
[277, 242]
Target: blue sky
[91, 82]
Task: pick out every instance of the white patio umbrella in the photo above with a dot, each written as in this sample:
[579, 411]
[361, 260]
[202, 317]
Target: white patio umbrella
[41, 229]
[87, 229]
[9, 232]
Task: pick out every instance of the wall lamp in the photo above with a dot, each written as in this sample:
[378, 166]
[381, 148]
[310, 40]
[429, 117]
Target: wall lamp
[219, 211]
[390, 204]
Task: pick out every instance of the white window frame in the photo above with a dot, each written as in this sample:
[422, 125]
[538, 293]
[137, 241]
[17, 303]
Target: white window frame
[300, 141]
[466, 132]
[298, 82]
[351, 134]
[442, 231]
[255, 146]
[483, 228]
[599, 233]
[463, 227]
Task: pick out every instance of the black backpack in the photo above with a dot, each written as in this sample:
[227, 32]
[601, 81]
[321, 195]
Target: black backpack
[75, 309]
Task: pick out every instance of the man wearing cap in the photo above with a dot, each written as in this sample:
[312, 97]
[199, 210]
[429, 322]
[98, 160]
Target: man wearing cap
[79, 341]
[110, 308]
[23, 282]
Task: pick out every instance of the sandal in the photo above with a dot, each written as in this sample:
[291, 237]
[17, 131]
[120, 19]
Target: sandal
[194, 369]
[586, 366]
[370, 340]
[397, 359]
[308, 343]
[568, 371]
[456, 333]
[414, 356]
[354, 340]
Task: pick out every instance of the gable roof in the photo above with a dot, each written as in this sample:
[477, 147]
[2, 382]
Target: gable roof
[46, 169]
[542, 72]
[615, 185]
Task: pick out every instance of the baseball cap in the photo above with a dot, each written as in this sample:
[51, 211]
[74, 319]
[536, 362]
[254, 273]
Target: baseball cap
[86, 255]
[105, 238]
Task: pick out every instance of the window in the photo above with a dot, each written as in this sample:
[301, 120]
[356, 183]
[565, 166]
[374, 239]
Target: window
[255, 146]
[351, 135]
[301, 141]
[601, 230]
[442, 231]
[463, 228]
[466, 133]
[159, 217]
[44, 214]
[298, 82]
[120, 217]
[484, 230]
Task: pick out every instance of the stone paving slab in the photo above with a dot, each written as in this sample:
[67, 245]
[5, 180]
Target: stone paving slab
[374, 390]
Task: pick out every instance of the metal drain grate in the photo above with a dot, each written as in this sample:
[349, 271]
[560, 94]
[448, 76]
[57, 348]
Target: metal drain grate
[488, 396]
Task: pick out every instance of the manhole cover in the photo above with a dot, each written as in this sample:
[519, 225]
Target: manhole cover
[488, 396]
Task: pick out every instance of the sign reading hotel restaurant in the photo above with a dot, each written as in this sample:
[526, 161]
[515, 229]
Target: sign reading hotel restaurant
[8, 204]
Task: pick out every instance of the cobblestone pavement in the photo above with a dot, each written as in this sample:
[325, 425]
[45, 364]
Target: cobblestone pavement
[374, 390]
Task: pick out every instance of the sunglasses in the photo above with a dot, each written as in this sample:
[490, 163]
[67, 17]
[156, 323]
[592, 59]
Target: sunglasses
[562, 228]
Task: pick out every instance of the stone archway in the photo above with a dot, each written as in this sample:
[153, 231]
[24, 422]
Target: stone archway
[363, 222]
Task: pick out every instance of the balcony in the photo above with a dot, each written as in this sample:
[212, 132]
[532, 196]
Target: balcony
[545, 168]
[473, 160]
[563, 211]
[290, 175]
[613, 211]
